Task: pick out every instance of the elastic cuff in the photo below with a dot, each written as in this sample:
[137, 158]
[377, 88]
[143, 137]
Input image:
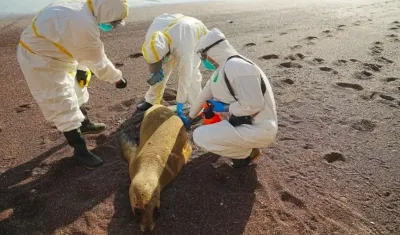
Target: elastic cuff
[226, 108]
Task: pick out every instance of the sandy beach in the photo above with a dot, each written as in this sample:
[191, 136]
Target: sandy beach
[334, 168]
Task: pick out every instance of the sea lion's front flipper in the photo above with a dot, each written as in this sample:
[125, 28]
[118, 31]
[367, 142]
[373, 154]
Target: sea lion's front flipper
[128, 148]
[187, 150]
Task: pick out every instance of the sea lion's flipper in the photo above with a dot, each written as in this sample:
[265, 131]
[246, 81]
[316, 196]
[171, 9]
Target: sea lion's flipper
[187, 151]
[128, 148]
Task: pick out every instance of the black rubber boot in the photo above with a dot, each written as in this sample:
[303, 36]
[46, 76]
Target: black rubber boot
[89, 127]
[81, 153]
[240, 163]
[144, 106]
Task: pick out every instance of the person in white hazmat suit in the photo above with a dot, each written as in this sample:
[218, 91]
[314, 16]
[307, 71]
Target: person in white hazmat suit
[245, 97]
[63, 40]
[170, 41]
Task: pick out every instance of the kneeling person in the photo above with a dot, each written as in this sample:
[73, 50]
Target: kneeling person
[239, 88]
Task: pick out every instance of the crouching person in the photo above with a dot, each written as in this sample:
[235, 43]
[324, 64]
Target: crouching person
[240, 89]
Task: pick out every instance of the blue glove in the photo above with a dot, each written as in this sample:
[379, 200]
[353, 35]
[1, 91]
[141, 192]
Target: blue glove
[186, 121]
[219, 106]
[179, 109]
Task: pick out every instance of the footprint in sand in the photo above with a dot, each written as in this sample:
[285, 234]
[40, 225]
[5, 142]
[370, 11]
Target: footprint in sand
[288, 81]
[334, 157]
[357, 23]
[100, 139]
[327, 33]
[250, 44]
[384, 60]
[391, 79]
[290, 65]
[119, 64]
[374, 67]
[376, 49]
[393, 28]
[283, 33]
[289, 197]
[397, 24]
[341, 27]
[129, 102]
[23, 108]
[121, 106]
[135, 55]
[364, 125]
[327, 69]
[310, 40]
[387, 97]
[364, 75]
[269, 41]
[318, 60]
[340, 62]
[295, 56]
[270, 57]
[353, 60]
[169, 94]
[350, 85]
[296, 47]
[392, 35]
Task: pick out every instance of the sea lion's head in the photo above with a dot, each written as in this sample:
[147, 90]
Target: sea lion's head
[145, 201]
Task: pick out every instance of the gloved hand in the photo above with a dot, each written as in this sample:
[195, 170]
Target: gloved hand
[179, 109]
[121, 84]
[186, 121]
[219, 106]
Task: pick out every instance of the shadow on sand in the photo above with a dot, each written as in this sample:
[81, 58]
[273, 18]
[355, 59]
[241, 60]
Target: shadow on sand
[201, 200]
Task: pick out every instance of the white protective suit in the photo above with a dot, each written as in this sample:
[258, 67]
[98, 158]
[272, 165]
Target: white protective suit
[222, 138]
[63, 35]
[177, 34]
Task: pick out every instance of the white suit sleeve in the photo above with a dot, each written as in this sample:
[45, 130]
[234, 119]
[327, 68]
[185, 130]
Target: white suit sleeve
[205, 95]
[88, 50]
[247, 88]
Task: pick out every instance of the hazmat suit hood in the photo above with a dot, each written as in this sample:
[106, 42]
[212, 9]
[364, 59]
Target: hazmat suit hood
[106, 11]
[220, 52]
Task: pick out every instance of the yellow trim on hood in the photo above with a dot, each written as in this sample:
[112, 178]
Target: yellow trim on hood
[90, 5]
[126, 9]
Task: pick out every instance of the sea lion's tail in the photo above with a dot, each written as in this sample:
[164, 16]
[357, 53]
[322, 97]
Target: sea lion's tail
[128, 148]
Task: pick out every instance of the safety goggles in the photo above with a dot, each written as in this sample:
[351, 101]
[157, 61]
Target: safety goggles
[203, 52]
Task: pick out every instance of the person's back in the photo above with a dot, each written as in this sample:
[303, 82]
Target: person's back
[175, 28]
[267, 116]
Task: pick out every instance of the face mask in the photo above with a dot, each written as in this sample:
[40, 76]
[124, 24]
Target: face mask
[156, 77]
[165, 59]
[105, 27]
[208, 65]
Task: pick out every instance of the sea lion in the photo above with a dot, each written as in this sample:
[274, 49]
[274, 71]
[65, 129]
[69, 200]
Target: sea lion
[163, 150]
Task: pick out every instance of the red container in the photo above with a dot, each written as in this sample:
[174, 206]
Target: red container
[209, 116]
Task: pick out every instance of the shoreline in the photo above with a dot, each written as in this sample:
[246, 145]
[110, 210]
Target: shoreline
[208, 8]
